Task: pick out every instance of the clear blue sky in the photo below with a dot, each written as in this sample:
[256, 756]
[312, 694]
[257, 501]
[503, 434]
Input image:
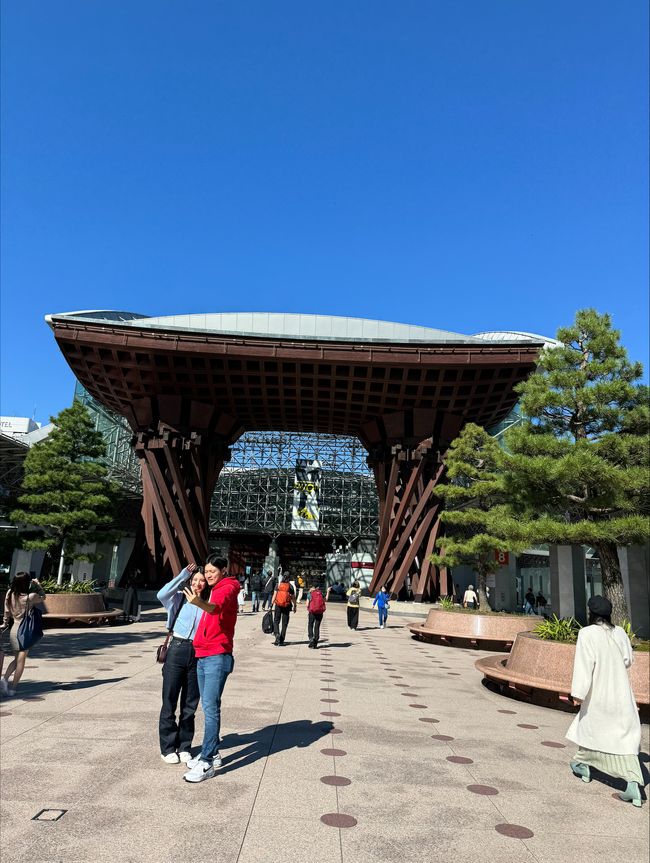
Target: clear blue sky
[459, 164]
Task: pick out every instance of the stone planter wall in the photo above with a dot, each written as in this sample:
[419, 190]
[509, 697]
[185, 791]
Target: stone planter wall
[85, 607]
[485, 631]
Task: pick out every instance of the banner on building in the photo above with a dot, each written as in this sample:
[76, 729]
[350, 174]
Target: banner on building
[305, 513]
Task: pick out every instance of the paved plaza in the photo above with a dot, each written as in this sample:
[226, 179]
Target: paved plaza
[374, 748]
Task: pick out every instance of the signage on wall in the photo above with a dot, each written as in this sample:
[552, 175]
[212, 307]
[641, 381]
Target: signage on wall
[502, 557]
[305, 513]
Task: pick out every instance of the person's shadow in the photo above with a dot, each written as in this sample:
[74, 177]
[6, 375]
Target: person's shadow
[270, 740]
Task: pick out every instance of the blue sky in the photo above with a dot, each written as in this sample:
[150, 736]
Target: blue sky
[463, 165]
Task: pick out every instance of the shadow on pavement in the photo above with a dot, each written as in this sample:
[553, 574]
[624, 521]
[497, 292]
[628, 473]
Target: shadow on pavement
[69, 643]
[28, 690]
[271, 740]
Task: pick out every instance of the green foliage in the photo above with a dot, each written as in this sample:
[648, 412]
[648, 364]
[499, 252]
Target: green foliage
[446, 603]
[475, 505]
[49, 585]
[563, 629]
[626, 626]
[576, 469]
[65, 492]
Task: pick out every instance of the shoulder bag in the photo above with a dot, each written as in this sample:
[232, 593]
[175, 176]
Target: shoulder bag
[161, 650]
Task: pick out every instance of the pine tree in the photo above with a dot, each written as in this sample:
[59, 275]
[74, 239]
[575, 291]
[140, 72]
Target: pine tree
[65, 490]
[577, 466]
[475, 505]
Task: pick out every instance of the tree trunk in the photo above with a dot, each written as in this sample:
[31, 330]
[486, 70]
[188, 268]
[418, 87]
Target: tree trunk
[613, 589]
[483, 601]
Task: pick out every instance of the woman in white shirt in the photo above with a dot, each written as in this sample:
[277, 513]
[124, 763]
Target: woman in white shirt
[470, 599]
[607, 730]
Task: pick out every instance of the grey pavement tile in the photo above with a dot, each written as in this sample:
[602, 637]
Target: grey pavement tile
[299, 841]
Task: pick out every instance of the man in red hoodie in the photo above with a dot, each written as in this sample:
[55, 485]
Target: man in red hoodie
[213, 649]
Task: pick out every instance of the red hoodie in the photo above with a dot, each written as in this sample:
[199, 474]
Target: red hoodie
[215, 631]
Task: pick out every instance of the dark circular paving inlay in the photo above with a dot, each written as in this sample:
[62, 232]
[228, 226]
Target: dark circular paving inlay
[335, 752]
[5, 713]
[84, 678]
[33, 698]
[335, 780]
[329, 713]
[453, 673]
[330, 700]
[459, 759]
[327, 689]
[336, 819]
[409, 694]
[514, 831]
[427, 719]
[419, 706]
[507, 711]
[441, 737]
[336, 731]
[486, 790]
[526, 725]
[553, 745]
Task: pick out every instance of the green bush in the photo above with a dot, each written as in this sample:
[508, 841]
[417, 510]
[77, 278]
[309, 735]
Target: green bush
[563, 629]
[49, 585]
[446, 603]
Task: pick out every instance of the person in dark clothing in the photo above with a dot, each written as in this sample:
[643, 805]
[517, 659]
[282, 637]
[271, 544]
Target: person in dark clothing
[130, 607]
[284, 599]
[256, 585]
[267, 589]
[354, 597]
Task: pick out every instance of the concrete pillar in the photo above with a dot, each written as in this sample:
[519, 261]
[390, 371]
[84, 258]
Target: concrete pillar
[27, 561]
[634, 570]
[568, 581]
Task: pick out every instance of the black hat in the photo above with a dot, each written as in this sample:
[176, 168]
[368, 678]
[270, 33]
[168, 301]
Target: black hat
[600, 606]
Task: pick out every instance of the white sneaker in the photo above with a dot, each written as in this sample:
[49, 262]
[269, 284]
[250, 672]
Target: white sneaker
[202, 770]
[216, 761]
[185, 757]
[172, 758]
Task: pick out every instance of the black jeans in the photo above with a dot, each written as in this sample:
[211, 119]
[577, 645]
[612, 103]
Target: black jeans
[353, 616]
[266, 599]
[280, 621]
[313, 627]
[179, 680]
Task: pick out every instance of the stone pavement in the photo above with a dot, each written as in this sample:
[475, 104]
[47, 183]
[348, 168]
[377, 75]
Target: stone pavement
[375, 748]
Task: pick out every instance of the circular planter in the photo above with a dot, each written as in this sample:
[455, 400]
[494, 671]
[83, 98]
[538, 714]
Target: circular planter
[541, 671]
[83, 607]
[482, 631]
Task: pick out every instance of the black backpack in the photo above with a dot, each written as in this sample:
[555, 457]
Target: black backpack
[267, 623]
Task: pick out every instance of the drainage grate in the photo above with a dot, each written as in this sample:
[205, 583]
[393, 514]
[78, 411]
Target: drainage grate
[49, 815]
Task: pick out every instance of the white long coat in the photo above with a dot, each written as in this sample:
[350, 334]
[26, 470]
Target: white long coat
[608, 720]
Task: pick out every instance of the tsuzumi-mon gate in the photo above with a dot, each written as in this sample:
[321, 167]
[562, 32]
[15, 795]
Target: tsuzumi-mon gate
[190, 385]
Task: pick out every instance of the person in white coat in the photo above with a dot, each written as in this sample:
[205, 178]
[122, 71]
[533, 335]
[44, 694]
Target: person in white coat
[607, 729]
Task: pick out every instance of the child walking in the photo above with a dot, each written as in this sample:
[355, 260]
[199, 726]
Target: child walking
[382, 602]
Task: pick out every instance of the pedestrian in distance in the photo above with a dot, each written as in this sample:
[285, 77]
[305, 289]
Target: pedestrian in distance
[540, 602]
[315, 611]
[382, 602]
[607, 729]
[470, 599]
[268, 589]
[301, 586]
[284, 599]
[19, 599]
[213, 645]
[179, 669]
[354, 597]
[241, 598]
[256, 590]
[530, 601]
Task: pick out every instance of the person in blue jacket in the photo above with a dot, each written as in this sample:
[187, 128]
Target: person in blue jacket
[381, 601]
[179, 670]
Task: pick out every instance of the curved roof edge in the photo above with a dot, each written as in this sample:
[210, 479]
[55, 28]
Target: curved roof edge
[292, 326]
[516, 336]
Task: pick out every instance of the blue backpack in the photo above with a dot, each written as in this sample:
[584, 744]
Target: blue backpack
[30, 629]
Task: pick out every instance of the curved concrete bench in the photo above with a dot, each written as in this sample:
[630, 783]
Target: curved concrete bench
[482, 631]
[540, 671]
[81, 607]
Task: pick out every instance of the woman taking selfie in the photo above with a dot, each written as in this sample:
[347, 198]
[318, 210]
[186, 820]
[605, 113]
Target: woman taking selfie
[179, 670]
[17, 601]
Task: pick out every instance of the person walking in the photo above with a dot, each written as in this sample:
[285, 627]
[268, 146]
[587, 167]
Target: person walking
[470, 599]
[213, 646]
[284, 599]
[19, 599]
[382, 602]
[354, 597]
[530, 601]
[301, 586]
[241, 597]
[268, 589]
[179, 670]
[540, 602]
[315, 610]
[607, 729]
[256, 591]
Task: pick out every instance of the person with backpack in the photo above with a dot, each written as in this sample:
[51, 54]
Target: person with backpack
[19, 599]
[382, 602]
[316, 610]
[354, 597]
[284, 599]
[267, 589]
